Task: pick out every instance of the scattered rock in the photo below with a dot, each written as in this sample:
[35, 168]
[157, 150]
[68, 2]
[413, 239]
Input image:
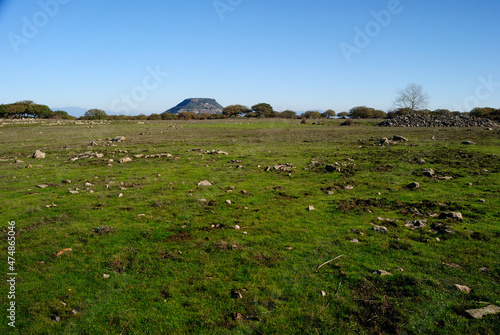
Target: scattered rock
[380, 229]
[18, 161]
[382, 273]
[442, 229]
[398, 138]
[236, 227]
[480, 312]
[330, 168]
[445, 178]
[451, 215]
[354, 240]
[42, 186]
[105, 275]
[311, 208]
[73, 192]
[125, 160]
[204, 183]
[118, 139]
[236, 294]
[357, 231]
[228, 202]
[66, 181]
[428, 172]
[415, 224]
[38, 154]
[413, 185]
[349, 187]
[55, 318]
[468, 142]
[462, 288]
[88, 154]
[287, 167]
[323, 293]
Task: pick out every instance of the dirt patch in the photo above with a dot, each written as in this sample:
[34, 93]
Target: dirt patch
[181, 237]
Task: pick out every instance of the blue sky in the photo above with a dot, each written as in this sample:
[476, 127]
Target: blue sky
[145, 57]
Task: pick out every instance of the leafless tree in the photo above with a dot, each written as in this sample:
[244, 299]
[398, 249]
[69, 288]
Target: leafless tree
[412, 98]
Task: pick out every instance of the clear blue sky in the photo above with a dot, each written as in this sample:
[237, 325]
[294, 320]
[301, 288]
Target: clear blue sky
[290, 54]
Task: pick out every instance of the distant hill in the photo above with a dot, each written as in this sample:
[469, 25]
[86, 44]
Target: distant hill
[197, 106]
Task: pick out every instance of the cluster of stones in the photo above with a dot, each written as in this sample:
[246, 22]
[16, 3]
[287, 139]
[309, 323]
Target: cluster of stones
[437, 121]
[108, 142]
[86, 155]
[287, 167]
[384, 141]
[210, 152]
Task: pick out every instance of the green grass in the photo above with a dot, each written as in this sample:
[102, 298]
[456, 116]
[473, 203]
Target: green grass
[174, 260]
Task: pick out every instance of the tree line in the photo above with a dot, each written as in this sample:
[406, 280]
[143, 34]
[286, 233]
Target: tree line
[29, 109]
[411, 100]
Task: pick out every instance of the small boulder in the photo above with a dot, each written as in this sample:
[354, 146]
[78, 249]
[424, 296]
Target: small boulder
[204, 183]
[468, 142]
[125, 160]
[413, 186]
[462, 288]
[38, 154]
[330, 168]
[380, 229]
[480, 312]
[118, 139]
[415, 224]
[428, 172]
[397, 138]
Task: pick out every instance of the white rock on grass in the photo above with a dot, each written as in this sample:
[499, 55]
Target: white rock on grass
[204, 183]
[462, 288]
[125, 160]
[380, 229]
[38, 154]
[480, 312]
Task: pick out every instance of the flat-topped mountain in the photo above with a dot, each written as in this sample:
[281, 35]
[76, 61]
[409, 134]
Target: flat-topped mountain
[197, 106]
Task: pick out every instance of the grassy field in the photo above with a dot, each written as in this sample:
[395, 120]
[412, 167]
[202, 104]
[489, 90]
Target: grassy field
[154, 253]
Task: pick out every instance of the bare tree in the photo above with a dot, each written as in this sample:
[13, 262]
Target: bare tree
[412, 98]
